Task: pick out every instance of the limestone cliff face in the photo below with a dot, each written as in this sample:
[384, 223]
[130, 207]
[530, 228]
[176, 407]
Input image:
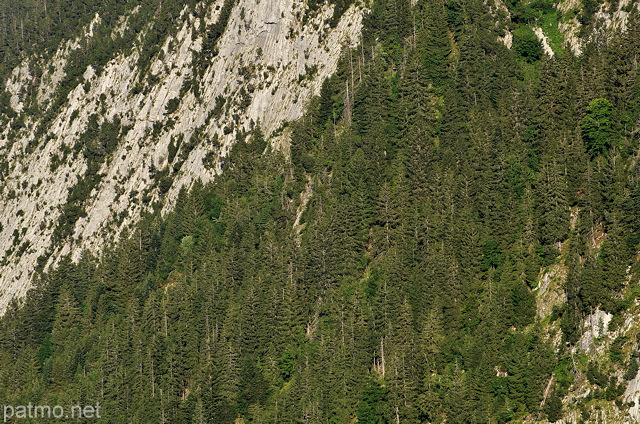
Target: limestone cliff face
[268, 66]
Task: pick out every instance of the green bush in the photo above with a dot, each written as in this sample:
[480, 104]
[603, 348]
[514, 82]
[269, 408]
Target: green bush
[526, 44]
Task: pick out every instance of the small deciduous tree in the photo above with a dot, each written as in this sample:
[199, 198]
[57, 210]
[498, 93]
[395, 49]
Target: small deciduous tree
[598, 128]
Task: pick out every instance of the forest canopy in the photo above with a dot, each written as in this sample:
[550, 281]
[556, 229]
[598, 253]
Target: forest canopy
[446, 174]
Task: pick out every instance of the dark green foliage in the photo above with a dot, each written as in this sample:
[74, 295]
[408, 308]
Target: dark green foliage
[529, 11]
[434, 43]
[217, 109]
[254, 389]
[632, 369]
[589, 8]
[454, 15]
[615, 351]
[553, 407]
[491, 255]
[373, 407]
[526, 44]
[596, 376]
[172, 105]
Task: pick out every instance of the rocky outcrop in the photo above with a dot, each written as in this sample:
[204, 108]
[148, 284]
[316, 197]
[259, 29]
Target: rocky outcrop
[596, 326]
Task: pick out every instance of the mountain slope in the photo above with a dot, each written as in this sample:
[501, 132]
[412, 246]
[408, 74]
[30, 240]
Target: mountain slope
[121, 134]
[448, 232]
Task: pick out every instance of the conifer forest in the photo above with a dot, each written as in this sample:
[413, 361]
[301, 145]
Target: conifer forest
[428, 246]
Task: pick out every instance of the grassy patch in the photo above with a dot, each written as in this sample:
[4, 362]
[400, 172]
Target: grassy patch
[549, 25]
